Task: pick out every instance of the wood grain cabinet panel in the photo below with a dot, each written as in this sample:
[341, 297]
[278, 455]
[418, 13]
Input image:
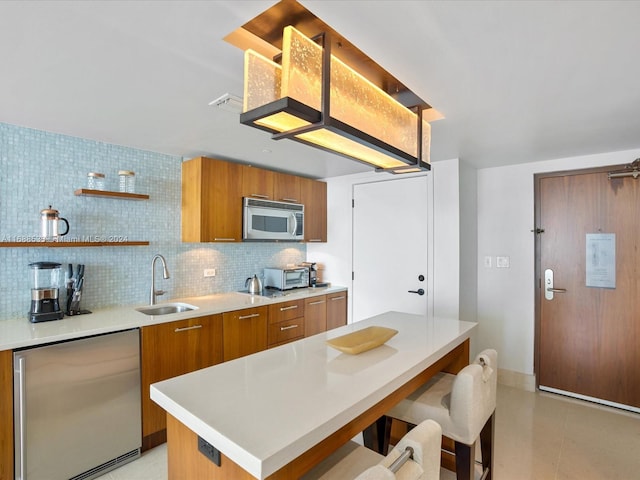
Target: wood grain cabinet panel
[286, 188]
[257, 183]
[315, 315]
[244, 332]
[6, 415]
[211, 201]
[172, 349]
[286, 322]
[314, 198]
[336, 310]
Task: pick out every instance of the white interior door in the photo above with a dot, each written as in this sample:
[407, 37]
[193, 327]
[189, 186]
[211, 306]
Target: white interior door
[390, 247]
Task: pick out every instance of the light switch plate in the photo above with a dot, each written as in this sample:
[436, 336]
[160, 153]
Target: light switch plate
[502, 262]
[487, 262]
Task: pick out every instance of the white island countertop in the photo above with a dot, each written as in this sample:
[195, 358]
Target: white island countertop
[19, 332]
[264, 410]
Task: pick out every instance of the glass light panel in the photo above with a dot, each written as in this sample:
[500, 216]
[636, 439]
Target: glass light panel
[340, 144]
[354, 99]
[283, 121]
[262, 80]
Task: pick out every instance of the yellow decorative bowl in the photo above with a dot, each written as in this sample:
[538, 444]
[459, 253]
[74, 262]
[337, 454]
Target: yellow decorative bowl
[362, 340]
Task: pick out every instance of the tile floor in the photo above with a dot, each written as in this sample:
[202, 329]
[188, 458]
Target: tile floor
[539, 436]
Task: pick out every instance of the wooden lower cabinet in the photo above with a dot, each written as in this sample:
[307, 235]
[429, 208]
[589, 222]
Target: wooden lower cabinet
[6, 415]
[172, 349]
[336, 310]
[286, 322]
[244, 332]
[315, 315]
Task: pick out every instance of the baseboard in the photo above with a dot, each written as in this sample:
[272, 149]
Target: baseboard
[517, 380]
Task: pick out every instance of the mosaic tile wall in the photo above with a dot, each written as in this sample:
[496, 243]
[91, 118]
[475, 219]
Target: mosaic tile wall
[38, 169]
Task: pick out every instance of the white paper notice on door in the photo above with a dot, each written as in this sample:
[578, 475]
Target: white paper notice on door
[601, 260]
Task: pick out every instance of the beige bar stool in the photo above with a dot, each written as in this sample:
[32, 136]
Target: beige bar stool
[416, 457]
[464, 405]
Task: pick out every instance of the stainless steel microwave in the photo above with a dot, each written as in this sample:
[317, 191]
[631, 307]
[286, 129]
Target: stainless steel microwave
[286, 278]
[268, 220]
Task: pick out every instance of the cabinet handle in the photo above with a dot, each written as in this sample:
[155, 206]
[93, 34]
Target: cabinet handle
[244, 317]
[338, 298]
[224, 239]
[292, 307]
[314, 240]
[288, 328]
[294, 200]
[184, 329]
[259, 195]
[317, 303]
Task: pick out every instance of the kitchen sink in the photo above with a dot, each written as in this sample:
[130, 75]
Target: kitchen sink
[166, 308]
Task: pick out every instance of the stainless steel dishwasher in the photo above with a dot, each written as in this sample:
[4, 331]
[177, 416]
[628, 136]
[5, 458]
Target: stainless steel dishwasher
[77, 407]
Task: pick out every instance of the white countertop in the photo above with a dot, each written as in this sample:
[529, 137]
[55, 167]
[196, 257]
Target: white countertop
[19, 332]
[264, 410]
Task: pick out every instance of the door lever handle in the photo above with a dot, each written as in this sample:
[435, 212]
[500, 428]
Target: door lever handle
[420, 291]
[557, 290]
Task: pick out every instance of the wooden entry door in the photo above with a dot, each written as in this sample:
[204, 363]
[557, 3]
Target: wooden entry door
[588, 338]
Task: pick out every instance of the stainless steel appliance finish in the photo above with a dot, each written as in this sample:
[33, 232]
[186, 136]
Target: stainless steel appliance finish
[253, 284]
[313, 272]
[77, 407]
[286, 278]
[272, 221]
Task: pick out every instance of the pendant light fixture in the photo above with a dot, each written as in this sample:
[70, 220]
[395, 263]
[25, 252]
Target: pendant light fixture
[309, 95]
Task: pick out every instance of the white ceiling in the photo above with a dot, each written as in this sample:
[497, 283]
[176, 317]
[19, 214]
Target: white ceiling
[517, 81]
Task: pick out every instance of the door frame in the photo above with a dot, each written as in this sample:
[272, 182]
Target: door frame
[537, 260]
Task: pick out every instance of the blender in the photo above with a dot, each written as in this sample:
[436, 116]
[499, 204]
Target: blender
[45, 282]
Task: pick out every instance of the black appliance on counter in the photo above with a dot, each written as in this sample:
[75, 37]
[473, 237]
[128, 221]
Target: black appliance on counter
[45, 289]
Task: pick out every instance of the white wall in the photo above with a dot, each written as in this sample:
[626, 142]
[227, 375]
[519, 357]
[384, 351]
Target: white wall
[506, 296]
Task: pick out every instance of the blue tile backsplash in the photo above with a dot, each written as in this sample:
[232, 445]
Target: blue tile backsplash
[38, 169]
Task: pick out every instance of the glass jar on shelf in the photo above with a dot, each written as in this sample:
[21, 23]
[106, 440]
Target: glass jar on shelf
[127, 181]
[95, 181]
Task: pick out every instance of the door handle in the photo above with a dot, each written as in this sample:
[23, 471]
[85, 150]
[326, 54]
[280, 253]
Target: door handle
[549, 289]
[420, 291]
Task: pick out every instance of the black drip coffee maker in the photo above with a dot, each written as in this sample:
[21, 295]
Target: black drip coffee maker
[45, 288]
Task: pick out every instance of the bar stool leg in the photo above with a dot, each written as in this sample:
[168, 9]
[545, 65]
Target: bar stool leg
[486, 445]
[465, 461]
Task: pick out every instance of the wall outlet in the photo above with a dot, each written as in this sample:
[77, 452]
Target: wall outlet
[209, 272]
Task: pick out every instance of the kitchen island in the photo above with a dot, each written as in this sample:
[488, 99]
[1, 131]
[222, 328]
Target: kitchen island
[277, 413]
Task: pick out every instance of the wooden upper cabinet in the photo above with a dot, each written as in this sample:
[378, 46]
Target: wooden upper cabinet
[257, 183]
[211, 201]
[314, 198]
[286, 188]
[212, 192]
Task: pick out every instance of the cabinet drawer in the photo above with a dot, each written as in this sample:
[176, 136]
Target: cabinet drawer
[285, 331]
[286, 311]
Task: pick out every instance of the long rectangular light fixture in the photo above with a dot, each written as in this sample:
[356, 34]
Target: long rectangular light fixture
[313, 97]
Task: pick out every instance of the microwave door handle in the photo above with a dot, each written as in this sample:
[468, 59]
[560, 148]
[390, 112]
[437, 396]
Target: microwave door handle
[295, 224]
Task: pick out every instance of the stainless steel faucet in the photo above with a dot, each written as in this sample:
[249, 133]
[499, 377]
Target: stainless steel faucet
[165, 274]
